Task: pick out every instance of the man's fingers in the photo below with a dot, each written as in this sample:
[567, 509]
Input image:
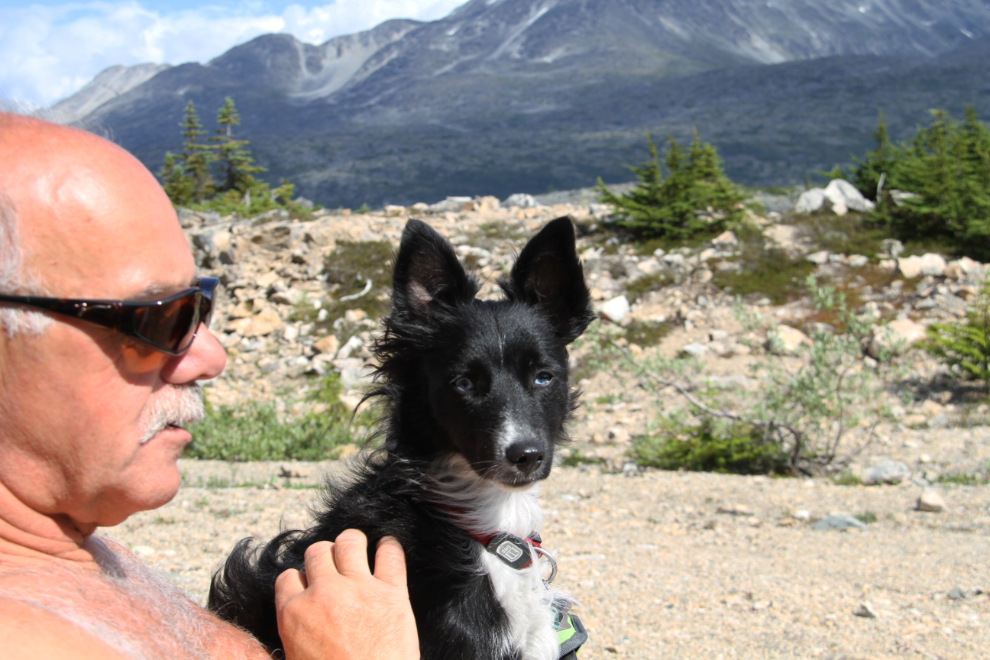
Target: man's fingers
[288, 584]
[390, 562]
[350, 552]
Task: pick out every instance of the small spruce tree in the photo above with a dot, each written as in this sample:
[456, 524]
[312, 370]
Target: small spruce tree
[694, 198]
[176, 184]
[195, 158]
[235, 164]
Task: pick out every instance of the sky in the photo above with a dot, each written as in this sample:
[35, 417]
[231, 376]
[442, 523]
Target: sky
[51, 48]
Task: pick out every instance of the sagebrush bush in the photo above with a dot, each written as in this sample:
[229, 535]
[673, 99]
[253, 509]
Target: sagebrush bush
[256, 432]
[964, 346]
[710, 447]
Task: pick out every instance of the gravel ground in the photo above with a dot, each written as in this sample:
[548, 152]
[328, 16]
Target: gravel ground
[677, 565]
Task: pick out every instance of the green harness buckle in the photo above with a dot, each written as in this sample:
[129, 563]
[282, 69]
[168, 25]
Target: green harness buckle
[570, 634]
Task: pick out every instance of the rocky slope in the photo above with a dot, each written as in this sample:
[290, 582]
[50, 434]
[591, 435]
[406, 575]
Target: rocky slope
[291, 315]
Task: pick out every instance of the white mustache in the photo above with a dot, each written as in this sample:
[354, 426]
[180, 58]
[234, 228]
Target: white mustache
[173, 406]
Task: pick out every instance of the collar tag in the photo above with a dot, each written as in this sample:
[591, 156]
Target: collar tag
[512, 550]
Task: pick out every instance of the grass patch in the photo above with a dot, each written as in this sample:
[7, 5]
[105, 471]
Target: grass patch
[766, 270]
[575, 458]
[847, 478]
[849, 234]
[347, 270]
[978, 478]
[256, 432]
[645, 333]
[643, 285]
[867, 517]
[710, 447]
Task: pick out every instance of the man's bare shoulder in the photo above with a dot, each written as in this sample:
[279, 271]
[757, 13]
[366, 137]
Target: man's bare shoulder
[32, 633]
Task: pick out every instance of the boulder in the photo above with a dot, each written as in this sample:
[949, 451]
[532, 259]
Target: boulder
[615, 309]
[810, 201]
[896, 336]
[263, 323]
[840, 522]
[329, 345]
[726, 239]
[649, 266]
[888, 472]
[521, 200]
[785, 340]
[931, 501]
[845, 197]
[818, 258]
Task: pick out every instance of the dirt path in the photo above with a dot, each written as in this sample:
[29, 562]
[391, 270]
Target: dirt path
[679, 565]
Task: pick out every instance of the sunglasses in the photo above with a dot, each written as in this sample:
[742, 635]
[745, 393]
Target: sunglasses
[168, 325]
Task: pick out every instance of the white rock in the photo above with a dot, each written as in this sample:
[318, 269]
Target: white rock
[782, 234]
[897, 336]
[649, 266]
[857, 261]
[675, 260]
[695, 350]
[933, 264]
[810, 201]
[818, 258]
[352, 346]
[888, 472]
[910, 267]
[615, 309]
[726, 239]
[844, 196]
[931, 501]
[786, 340]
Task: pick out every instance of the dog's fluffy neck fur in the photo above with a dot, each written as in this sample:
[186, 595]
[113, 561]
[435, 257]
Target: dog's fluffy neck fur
[482, 507]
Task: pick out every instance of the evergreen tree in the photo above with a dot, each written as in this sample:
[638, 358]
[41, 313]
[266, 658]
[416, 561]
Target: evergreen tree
[236, 166]
[195, 158]
[176, 184]
[677, 206]
[881, 161]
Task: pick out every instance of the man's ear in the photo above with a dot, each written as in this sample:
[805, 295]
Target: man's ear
[548, 274]
[427, 272]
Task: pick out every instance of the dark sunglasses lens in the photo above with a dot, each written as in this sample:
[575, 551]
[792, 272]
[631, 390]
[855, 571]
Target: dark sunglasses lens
[171, 324]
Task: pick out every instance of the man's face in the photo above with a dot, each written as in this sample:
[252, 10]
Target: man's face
[75, 400]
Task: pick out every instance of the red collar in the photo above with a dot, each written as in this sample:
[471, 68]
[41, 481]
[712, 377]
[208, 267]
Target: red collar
[492, 542]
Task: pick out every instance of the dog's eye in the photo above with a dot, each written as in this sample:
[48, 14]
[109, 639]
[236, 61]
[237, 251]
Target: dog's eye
[543, 378]
[463, 384]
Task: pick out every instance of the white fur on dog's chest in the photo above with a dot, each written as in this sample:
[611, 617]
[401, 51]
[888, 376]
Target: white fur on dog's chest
[484, 508]
[526, 602]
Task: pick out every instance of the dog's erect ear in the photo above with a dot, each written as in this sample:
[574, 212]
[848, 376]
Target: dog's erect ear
[548, 274]
[427, 272]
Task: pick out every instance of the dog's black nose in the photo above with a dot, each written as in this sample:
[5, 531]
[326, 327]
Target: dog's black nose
[526, 456]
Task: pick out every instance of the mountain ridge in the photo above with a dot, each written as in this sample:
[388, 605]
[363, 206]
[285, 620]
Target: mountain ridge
[572, 84]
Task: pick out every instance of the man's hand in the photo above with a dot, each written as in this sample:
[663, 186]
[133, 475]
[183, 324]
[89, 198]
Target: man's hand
[338, 610]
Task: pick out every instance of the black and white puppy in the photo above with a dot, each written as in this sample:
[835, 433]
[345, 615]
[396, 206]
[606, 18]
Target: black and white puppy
[476, 397]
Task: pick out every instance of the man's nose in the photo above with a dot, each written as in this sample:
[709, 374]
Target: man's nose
[204, 360]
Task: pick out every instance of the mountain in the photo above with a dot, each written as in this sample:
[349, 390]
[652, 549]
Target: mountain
[106, 86]
[507, 96]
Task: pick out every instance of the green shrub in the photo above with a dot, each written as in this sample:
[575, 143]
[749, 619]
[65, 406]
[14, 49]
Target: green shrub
[695, 198]
[255, 431]
[710, 447]
[964, 346]
[947, 166]
[803, 414]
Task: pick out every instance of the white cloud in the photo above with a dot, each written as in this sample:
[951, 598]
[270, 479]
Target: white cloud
[49, 52]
